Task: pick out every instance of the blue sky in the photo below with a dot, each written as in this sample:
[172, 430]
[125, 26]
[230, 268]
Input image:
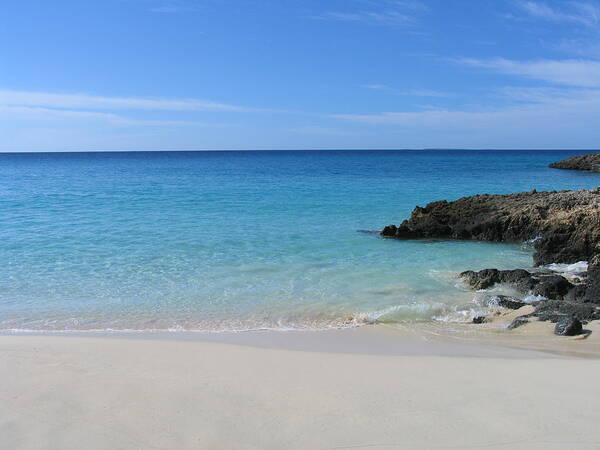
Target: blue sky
[298, 74]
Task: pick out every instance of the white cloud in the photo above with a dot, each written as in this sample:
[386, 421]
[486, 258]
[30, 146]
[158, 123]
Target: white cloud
[387, 12]
[536, 118]
[582, 13]
[371, 17]
[569, 72]
[407, 92]
[85, 101]
[29, 113]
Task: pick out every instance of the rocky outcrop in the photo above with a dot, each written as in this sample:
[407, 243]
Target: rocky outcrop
[564, 226]
[589, 162]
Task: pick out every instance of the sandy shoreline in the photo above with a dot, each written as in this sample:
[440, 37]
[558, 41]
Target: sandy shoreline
[150, 392]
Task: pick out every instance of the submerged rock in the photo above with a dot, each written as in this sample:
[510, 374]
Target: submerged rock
[568, 326]
[479, 319]
[589, 162]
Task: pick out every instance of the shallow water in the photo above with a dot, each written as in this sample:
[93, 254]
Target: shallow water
[244, 240]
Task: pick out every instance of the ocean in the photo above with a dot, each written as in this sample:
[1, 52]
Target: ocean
[245, 240]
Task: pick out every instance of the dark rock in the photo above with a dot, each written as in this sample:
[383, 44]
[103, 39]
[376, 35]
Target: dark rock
[518, 322]
[568, 326]
[564, 224]
[577, 294]
[504, 301]
[389, 231]
[549, 285]
[589, 162]
[479, 319]
[486, 278]
[554, 310]
[592, 289]
[481, 280]
[553, 287]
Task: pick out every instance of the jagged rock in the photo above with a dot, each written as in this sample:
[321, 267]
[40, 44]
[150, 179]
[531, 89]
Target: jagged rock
[479, 319]
[486, 278]
[554, 310]
[553, 287]
[504, 301]
[518, 322]
[589, 162]
[578, 293]
[568, 326]
[550, 286]
[565, 225]
[592, 289]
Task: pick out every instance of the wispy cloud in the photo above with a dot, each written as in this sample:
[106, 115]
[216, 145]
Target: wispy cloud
[174, 7]
[569, 72]
[324, 131]
[407, 92]
[582, 13]
[92, 102]
[542, 111]
[385, 12]
[49, 114]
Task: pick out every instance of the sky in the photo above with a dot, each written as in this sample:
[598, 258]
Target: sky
[83, 75]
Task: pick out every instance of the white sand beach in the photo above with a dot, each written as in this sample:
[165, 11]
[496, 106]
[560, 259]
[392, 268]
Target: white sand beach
[66, 392]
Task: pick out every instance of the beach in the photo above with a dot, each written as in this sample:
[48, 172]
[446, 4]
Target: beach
[304, 224]
[143, 392]
[186, 308]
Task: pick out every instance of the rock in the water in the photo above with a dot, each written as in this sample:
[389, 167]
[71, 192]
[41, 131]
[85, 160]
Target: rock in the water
[589, 162]
[486, 278]
[568, 326]
[554, 287]
[564, 225]
[479, 319]
[518, 322]
[504, 301]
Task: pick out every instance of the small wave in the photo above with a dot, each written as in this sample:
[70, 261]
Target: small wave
[573, 271]
[317, 321]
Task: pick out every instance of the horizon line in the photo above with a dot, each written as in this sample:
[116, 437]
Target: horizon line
[306, 150]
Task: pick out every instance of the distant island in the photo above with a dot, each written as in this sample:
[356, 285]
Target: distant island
[589, 162]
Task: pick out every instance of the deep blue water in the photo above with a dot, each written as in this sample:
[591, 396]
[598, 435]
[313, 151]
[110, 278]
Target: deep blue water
[243, 240]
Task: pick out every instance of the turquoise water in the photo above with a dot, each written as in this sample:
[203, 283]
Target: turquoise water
[221, 241]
